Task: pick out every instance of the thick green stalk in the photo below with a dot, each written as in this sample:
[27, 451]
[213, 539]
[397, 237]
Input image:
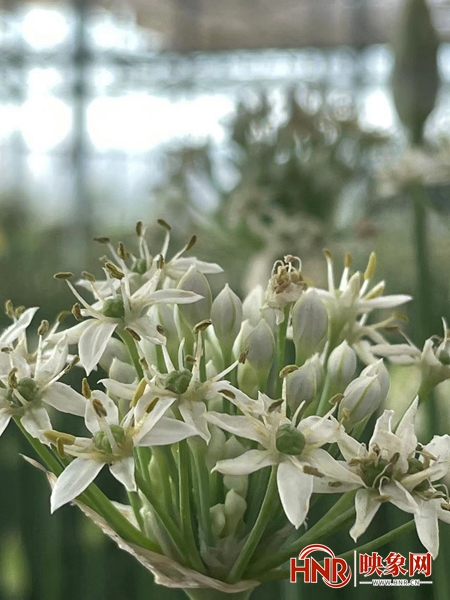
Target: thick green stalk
[185, 506]
[281, 351]
[201, 477]
[129, 342]
[334, 519]
[94, 498]
[257, 531]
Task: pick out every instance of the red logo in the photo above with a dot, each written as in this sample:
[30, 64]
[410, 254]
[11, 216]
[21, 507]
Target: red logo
[335, 572]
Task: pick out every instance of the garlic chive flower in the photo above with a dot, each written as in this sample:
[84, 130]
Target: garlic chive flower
[296, 448]
[120, 309]
[113, 442]
[396, 468]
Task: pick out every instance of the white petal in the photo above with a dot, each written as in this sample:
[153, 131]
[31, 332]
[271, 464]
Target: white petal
[427, 525]
[167, 431]
[93, 342]
[194, 414]
[146, 422]
[383, 302]
[74, 480]
[54, 364]
[366, 505]
[72, 334]
[4, 420]
[249, 462]
[295, 488]
[319, 430]
[406, 428]
[350, 448]
[123, 471]
[64, 398]
[90, 416]
[177, 268]
[16, 329]
[439, 447]
[245, 427]
[122, 390]
[400, 497]
[35, 420]
[146, 328]
[326, 464]
[174, 296]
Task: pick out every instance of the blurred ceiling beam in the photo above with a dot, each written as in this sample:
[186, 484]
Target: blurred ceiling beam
[214, 25]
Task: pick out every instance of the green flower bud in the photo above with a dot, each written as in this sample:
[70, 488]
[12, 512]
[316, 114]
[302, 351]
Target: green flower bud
[226, 315]
[415, 77]
[178, 381]
[363, 396]
[27, 388]
[309, 325]
[341, 367]
[101, 440]
[302, 384]
[195, 281]
[290, 440]
[114, 308]
[261, 348]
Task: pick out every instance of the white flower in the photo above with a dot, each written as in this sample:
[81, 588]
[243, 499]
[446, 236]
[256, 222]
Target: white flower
[121, 309]
[286, 286]
[113, 442]
[295, 449]
[350, 304]
[394, 468]
[26, 387]
[180, 386]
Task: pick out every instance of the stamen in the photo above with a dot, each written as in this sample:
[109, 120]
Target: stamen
[329, 259]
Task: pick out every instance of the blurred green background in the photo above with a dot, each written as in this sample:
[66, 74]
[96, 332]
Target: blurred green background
[265, 129]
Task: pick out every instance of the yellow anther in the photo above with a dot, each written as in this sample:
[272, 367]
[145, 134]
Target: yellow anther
[285, 371]
[63, 275]
[371, 266]
[86, 389]
[348, 260]
[139, 391]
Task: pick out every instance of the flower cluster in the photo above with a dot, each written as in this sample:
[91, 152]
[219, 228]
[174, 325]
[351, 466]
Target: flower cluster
[222, 419]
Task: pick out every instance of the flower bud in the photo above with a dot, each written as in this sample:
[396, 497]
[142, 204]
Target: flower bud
[235, 507]
[289, 440]
[261, 349]
[434, 367]
[251, 307]
[195, 312]
[341, 367]
[302, 384]
[226, 315]
[309, 325]
[378, 369]
[364, 395]
[238, 483]
[218, 519]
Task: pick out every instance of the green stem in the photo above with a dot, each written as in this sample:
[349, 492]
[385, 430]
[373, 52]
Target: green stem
[257, 531]
[93, 498]
[424, 294]
[324, 406]
[281, 352]
[365, 548]
[198, 448]
[185, 506]
[333, 520]
[129, 342]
